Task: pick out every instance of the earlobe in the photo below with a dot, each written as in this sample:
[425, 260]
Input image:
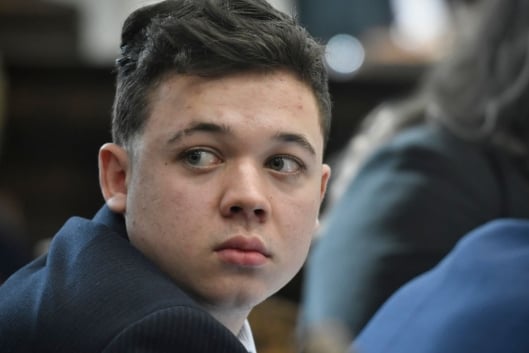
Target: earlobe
[113, 169]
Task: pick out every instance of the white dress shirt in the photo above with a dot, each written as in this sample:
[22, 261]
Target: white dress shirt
[246, 337]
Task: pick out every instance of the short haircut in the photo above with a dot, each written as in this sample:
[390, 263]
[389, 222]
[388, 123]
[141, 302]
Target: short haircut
[210, 38]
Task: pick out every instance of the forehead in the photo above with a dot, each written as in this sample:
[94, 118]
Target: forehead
[257, 99]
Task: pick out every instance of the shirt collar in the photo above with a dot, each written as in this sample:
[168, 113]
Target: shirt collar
[245, 336]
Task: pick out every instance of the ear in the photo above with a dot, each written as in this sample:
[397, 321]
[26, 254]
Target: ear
[325, 176]
[113, 169]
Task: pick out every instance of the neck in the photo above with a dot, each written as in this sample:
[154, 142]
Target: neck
[230, 318]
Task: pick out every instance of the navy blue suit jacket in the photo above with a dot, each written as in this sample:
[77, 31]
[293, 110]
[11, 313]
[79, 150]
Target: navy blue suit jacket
[475, 300]
[94, 292]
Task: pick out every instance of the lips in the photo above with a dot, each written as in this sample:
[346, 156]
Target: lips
[243, 251]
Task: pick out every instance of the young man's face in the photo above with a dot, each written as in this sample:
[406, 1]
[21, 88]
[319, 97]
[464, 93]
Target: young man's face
[225, 183]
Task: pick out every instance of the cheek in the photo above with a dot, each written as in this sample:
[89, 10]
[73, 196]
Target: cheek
[155, 206]
[301, 219]
[161, 225]
[159, 192]
[306, 210]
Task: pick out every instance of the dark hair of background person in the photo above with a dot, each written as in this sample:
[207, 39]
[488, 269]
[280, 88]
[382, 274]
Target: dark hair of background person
[479, 91]
[208, 42]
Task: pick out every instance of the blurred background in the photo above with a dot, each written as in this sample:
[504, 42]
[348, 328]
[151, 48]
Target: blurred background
[57, 83]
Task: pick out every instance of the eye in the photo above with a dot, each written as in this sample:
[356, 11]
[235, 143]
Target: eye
[200, 158]
[285, 164]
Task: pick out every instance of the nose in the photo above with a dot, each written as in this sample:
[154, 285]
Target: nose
[245, 194]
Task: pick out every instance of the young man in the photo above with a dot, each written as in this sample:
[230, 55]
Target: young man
[212, 186]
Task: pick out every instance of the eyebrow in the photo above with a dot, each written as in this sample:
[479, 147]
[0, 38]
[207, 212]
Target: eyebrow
[223, 129]
[297, 139]
[198, 127]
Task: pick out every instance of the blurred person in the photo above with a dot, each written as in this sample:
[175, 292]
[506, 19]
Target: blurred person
[474, 300]
[212, 188]
[424, 171]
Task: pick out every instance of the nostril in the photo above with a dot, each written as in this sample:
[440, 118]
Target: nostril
[258, 212]
[235, 209]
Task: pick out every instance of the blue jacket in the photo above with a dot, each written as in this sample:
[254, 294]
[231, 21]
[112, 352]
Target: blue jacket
[94, 292]
[475, 300]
